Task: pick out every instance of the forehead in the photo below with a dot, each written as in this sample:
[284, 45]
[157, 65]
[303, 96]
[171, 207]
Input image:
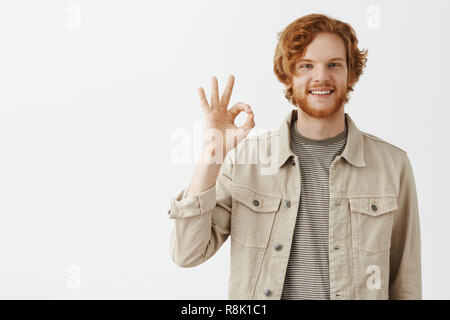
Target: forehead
[324, 47]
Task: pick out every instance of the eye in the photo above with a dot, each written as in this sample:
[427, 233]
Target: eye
[304, 65]
[335, 64]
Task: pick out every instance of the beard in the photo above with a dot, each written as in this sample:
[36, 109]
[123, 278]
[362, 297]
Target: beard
[334, 105]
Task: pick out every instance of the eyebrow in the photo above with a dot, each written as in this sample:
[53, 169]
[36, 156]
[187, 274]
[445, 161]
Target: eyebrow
[333, 59]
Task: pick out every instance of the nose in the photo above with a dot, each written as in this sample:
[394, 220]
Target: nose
[321, 74]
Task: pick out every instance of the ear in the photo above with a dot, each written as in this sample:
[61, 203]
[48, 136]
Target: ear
[350, 82]
[287, 85]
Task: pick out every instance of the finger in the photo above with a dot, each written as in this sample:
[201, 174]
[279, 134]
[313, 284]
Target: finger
[238, 107]
[249, 123]
[227, 93]
[214, 93]
[203, 102]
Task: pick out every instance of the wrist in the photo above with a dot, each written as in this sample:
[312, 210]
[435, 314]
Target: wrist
[210, 154]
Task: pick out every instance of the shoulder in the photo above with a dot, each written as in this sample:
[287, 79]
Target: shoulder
[255, 146]
[381, 151]
[259, 141]
[381, 143]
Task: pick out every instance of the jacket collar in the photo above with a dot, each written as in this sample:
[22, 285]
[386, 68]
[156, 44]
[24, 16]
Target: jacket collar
[353, 151]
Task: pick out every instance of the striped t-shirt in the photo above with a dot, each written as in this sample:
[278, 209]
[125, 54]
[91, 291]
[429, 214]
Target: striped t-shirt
[307, 274]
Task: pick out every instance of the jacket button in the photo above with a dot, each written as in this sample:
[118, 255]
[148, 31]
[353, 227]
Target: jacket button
[287, 204]
[267, 292]
[168, 212]
[293, 162]
[255, 203]
[374, 207]
[278, 247]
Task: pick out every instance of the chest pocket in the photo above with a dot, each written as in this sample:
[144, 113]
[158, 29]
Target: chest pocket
[252, 216]
[372, 222]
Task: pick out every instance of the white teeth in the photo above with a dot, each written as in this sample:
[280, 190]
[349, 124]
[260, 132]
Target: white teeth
[321, 92]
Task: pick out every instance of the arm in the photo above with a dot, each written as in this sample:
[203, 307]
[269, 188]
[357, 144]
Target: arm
[405, 280]
[202, 220]
[202, 212]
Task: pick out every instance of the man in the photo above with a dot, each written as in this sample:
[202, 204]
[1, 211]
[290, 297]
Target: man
[334, 215]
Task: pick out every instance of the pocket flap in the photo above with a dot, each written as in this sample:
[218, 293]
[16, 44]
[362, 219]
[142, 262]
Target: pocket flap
[373, 206]
[256, 201]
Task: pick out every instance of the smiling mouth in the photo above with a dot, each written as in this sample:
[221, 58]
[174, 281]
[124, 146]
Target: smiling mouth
[321, 93]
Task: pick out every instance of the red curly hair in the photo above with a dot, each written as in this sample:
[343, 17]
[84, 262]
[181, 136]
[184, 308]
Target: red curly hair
[294, 39]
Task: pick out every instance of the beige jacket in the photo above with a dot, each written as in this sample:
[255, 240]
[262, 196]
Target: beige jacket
[374, 232]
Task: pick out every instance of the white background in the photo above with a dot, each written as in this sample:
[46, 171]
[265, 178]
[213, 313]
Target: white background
[92, 91]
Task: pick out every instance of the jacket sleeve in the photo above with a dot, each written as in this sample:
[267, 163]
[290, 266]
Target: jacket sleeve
[405, 279]
[202, 221]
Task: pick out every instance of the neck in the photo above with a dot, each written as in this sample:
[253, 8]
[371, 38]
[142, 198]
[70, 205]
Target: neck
[320, 128]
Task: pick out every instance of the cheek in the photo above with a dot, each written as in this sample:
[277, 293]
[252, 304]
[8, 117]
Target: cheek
[345, 78]
[300, 85]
